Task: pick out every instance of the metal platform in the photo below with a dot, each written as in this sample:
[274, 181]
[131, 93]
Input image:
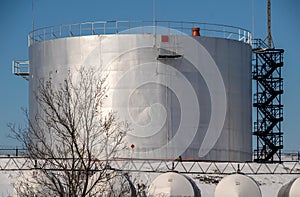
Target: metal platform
[21, 68]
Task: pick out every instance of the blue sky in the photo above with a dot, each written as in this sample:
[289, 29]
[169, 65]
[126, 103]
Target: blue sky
[16, 22]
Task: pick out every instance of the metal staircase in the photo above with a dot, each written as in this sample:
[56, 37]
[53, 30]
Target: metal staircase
[267, 65]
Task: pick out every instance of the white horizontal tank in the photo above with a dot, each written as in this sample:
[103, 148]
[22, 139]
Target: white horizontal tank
[184, 96]
[173, 184]
[237, 185]
[114, 184]
[6, 183]
[32, 183]
[291, 189]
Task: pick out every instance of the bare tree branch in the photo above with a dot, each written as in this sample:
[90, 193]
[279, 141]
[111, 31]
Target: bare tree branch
[71, 137]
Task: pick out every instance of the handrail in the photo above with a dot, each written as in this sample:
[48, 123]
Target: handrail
[21, 68]
[119, 27]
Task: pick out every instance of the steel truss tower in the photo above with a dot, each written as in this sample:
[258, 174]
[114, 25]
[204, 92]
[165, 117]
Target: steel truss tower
[267, 64]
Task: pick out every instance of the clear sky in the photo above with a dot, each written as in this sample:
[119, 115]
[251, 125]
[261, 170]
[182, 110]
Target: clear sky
[16, 21]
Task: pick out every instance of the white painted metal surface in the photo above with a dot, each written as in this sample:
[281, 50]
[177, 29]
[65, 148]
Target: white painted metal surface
[27, 184]
[195, 103]
[172, 184]
[291, 189]
[237, 185]
[6, 184]
[113, 185]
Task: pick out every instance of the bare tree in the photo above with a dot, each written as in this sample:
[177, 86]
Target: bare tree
[71, 136]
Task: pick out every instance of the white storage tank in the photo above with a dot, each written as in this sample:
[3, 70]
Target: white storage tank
[28, 184]
[237, 185]
[173, 184]
[184, 96]
[291, 189]
[6, 183]
[114, 184]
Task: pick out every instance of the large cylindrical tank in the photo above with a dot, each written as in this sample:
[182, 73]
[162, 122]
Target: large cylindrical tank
[184, 96]
[291, 189]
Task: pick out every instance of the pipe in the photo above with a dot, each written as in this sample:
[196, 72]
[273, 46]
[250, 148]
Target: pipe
[195, 31]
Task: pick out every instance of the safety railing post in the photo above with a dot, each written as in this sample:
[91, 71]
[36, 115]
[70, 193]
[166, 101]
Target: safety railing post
[117, 27]
[210, 30]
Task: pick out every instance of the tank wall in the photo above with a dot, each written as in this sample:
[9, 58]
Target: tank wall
[194, 105]
[234, 62]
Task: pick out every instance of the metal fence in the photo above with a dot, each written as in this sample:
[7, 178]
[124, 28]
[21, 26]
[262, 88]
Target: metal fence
[8, 152]
[140, 27]
[288, 156]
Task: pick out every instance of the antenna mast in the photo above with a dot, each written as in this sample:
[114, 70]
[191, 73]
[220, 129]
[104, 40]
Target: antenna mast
[268, 63]
[269, 25]
[32, 12]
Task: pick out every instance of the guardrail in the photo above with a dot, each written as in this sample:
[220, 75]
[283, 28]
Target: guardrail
[125, 27]
[11, 152]
[6, 152]
[21, 68]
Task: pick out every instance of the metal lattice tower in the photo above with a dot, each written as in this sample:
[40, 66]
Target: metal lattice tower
[267, 100]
